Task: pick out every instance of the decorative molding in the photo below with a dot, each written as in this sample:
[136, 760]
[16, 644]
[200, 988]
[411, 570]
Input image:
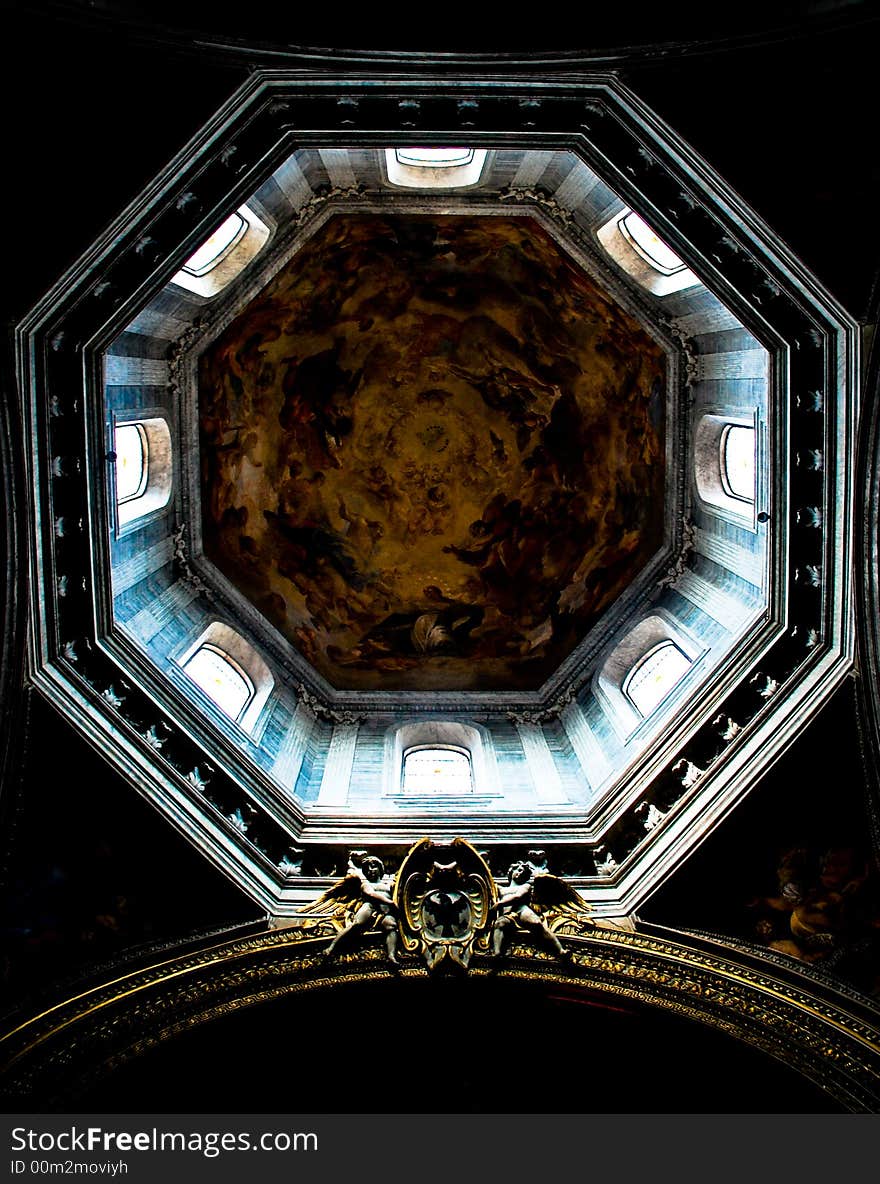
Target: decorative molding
[181, 558]
[547, 714]
[57, 1052]
[323, 711]
[679, 563]
[542, 199]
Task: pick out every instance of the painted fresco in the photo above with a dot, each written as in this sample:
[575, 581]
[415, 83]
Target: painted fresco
[432, 452]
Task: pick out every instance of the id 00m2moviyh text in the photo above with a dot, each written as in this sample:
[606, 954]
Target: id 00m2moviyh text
[97, 1139]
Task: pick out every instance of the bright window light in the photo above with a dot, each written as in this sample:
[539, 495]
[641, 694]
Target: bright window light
[434, 168]
[221, 680]
[738, 462]
[214, 249]
[648, 245]
[132, 461]
[654, 676]
[438, 158]
[437, 770]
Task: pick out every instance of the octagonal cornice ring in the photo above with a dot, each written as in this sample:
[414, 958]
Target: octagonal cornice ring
[690, 777]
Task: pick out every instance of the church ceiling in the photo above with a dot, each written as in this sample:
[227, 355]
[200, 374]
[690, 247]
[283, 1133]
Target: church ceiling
[432, 452]
[755, 601]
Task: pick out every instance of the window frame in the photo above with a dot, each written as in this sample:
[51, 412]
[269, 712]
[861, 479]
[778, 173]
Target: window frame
[473, 738]
[136, 510]
[437, 747]
[220, 255]
[709, 477]
[145, 460]
[231, 262]
[621, 658]
[666, 643]
[234, 666]
[434, 163]
[726, 483]
[240, 653]
[433, 176]
[618, 243]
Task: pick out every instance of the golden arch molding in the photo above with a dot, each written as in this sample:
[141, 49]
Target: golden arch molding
[778, 1008]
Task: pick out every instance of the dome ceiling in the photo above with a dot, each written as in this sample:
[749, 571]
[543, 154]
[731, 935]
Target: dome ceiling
[432, 451]
[750, 592]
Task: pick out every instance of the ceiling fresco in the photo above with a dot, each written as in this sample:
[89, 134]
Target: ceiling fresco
[432, 452]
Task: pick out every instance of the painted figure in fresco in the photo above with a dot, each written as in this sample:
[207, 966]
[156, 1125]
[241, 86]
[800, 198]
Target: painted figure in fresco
[825, 908]
[367, 884]
[514, 908]
[444, 630]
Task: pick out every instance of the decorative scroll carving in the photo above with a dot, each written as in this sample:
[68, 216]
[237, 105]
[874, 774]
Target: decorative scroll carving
[605, 862]
[321, 710]
[242, 817]
[157, 735]
[181, 559]
[765, 686]
[689, 354]
[445, 904]
[200, 776]
[679, 564]
[545, 715]
[113, 695]
[291, 862]
[690, 774]
[539, 198]
[317, 201]
[726, 727]
[180, 347]
[650, 815]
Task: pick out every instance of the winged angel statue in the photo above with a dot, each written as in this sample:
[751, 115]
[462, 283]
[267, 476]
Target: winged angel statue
[357, 902]
[531, 894]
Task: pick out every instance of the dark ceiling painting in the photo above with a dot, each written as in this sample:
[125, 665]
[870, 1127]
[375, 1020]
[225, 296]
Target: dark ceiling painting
[432, 452]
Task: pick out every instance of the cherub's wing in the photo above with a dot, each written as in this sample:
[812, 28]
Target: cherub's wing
[563, 909]
[344, 894]
[551, 892]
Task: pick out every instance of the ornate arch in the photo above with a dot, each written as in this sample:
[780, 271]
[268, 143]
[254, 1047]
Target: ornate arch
[787, 1011]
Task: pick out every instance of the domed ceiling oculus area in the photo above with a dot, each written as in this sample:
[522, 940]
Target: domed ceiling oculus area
[432, 451]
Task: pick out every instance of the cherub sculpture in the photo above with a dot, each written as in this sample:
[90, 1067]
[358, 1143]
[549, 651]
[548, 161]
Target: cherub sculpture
[528, 896]
[363, 898]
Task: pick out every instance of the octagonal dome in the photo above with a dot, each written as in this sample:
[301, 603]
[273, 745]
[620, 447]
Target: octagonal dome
[432, 451]
[648, 730]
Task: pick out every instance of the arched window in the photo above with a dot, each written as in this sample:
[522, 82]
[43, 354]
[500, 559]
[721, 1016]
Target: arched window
[437, 769]
[654, 676]
[738, 461]
[638, 249]
[221, 679]
[434, 756]
[434, 168]
[224, 253]
[211, 253]
[142, 449]
[230, 672]
[725, 466]
[132, 461]
[643, 669]
[438, 158]
[649, 246]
